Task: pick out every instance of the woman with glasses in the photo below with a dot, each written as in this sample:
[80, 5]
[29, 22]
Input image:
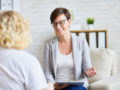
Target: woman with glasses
[66, 57]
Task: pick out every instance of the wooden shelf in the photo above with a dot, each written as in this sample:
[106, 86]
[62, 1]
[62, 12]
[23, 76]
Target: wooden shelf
[97, 33]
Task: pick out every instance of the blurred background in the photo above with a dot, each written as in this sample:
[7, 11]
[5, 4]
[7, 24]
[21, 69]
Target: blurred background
[106, 14]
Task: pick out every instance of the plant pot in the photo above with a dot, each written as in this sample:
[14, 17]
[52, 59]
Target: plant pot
[90, 26]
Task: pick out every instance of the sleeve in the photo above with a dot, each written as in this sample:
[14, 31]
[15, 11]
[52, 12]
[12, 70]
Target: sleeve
[86, 62]
[34, 78]
[47, 64]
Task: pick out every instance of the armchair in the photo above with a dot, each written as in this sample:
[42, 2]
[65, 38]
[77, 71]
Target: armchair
[105, 63]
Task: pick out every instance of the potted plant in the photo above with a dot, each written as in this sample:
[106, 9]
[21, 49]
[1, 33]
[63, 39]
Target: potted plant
[90, 22]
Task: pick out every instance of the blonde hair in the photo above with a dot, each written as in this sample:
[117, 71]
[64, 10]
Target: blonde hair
[14, 30]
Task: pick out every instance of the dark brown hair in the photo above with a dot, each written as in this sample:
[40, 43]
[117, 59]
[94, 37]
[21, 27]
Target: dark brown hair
[58, 11]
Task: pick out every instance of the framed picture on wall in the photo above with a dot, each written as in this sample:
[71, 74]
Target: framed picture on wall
[6, 4]
[10, 5]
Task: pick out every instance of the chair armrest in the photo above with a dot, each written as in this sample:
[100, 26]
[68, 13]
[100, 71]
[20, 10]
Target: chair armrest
[110, 83]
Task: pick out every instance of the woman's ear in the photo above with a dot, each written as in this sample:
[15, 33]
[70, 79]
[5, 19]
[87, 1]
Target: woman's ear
[69, 21]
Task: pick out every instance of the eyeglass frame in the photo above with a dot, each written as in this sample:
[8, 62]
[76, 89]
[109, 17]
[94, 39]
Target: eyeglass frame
[61, 23]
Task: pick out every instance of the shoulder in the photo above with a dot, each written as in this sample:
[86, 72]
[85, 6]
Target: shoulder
[18, 58]
[23, 57]
[79, 38]
[80, 41]
[26, 54]
[14, 54]
[21, 53]
[50, 41]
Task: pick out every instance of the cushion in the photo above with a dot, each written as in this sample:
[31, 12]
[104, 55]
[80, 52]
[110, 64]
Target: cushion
[101, 59]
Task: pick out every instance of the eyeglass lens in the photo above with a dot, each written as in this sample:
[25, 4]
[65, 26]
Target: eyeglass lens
[61, 23]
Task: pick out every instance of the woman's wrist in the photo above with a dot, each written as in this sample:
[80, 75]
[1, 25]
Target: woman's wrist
[51, 85]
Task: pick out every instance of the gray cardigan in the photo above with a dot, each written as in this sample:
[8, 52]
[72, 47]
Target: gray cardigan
[81, 57]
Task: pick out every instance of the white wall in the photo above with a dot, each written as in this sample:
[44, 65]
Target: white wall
[105, 12]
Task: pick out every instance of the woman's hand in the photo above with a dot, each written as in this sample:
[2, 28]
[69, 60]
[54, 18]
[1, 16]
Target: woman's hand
[59, 87]
[90, 72]
[50, 86]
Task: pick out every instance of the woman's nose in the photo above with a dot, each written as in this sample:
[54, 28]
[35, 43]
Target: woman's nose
[58, 26]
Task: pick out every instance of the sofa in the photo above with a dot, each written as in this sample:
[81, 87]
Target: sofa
[105, 63]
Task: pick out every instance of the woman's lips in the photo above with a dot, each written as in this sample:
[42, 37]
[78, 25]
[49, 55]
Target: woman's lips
[59, 30]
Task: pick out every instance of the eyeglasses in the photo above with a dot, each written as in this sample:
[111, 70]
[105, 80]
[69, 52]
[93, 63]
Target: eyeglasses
[61, 23]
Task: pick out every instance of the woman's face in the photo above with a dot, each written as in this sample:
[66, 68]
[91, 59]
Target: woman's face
[61, 24]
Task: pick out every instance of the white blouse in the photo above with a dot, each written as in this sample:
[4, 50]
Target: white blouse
[65, 66]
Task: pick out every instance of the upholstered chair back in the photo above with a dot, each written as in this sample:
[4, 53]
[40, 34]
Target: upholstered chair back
[105, 63]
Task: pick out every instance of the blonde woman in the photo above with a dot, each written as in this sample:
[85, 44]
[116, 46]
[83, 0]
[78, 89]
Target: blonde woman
[18, 69]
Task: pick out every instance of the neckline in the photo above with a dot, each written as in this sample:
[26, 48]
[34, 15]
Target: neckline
[63, 54]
